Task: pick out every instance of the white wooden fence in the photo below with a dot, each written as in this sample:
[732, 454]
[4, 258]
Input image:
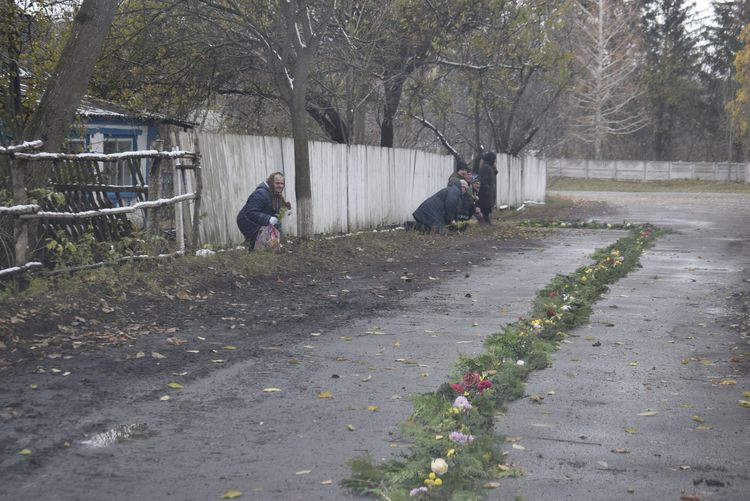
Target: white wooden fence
[353, 187]
[648, 171]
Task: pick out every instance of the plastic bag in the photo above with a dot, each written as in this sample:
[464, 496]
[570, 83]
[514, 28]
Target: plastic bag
[268, 239]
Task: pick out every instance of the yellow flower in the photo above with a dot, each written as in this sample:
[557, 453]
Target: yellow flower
[438, 482]
[431, 475]
[427, 481]
[451, 453]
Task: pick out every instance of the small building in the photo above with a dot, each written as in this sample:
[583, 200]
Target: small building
[105, 127]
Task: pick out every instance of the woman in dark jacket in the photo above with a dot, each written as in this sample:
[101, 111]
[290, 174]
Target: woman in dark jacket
[488, 187]
[262, 208]
[440, 209]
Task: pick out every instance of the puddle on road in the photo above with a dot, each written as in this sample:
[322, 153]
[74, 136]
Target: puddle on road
[118, 435]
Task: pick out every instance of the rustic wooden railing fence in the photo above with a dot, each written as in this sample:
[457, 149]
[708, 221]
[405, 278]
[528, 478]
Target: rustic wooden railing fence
[90, 202]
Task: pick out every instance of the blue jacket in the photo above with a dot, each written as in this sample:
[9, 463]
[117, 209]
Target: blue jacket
[440, 209]
[257, 211]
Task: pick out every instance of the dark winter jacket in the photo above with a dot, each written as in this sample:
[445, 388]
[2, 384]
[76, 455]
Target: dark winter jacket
[488, 188]
[440, 209]
[257, 211]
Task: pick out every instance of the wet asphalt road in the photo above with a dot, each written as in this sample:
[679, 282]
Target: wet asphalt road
[224, 432]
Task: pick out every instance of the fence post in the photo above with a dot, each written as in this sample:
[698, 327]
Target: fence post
[154, 193]
[20, 226]
[195, 237]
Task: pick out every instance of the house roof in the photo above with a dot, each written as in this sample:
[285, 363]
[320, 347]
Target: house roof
[91, 107]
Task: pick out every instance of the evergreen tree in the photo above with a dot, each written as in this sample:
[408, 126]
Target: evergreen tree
[673, 77]
[722, 38]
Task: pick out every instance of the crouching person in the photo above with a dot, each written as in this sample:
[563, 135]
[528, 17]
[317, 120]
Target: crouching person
[262, 208]
[440, 209]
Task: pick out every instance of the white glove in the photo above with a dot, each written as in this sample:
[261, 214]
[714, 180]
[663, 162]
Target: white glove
[274, 220]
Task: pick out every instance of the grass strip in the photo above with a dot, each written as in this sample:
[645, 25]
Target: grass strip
[455, 452]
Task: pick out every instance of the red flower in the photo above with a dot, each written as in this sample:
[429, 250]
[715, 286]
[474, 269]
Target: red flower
[483, 385]
[472, 379]
[458, 388]
[550, 313]
[552, 293]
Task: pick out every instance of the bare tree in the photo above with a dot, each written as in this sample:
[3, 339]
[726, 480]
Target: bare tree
[607, 70]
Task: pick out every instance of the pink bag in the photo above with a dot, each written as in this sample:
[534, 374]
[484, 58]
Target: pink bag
[268, 239]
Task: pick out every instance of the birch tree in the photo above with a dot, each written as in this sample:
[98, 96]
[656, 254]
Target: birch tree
[607, 73]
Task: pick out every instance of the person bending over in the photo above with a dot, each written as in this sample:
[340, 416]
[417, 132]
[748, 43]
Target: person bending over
[262, 208]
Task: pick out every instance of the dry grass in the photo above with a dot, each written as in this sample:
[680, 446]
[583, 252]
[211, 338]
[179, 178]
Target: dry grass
[674, 185]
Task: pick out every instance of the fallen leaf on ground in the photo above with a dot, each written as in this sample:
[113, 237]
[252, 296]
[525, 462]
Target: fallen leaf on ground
[346, 338]
[519, 447]
[34, 386]
[303, 472]
[175, 386]
[183, 295]
[620, 450]
[727, 382]
[25, 452]
[632, 431]
[271, 390]
[325, 394]
[743, 403]
[165, 398]
[690, 497]
[105, 307]
[684, 467]
[746, 394]
[372, 408]
[231, 494]
[157, 355]
[326, 482]
[634, 363]
[230, 347]
[350, 427]
[491, 485]
[698, 419]
[315, 334]
[367, 378]
[176, 341]
[648, 413]
[536, 398]
[704, 428]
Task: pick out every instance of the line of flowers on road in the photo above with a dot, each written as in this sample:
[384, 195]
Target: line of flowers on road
[455, 452]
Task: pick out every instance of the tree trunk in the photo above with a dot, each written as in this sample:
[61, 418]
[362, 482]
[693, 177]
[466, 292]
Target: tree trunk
[393, 89]
[302, 183]
[66, 87]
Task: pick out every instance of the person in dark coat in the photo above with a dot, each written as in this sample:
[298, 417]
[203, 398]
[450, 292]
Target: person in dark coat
[488, 186]
[462, 172]
[262, 208]
[440, 209]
